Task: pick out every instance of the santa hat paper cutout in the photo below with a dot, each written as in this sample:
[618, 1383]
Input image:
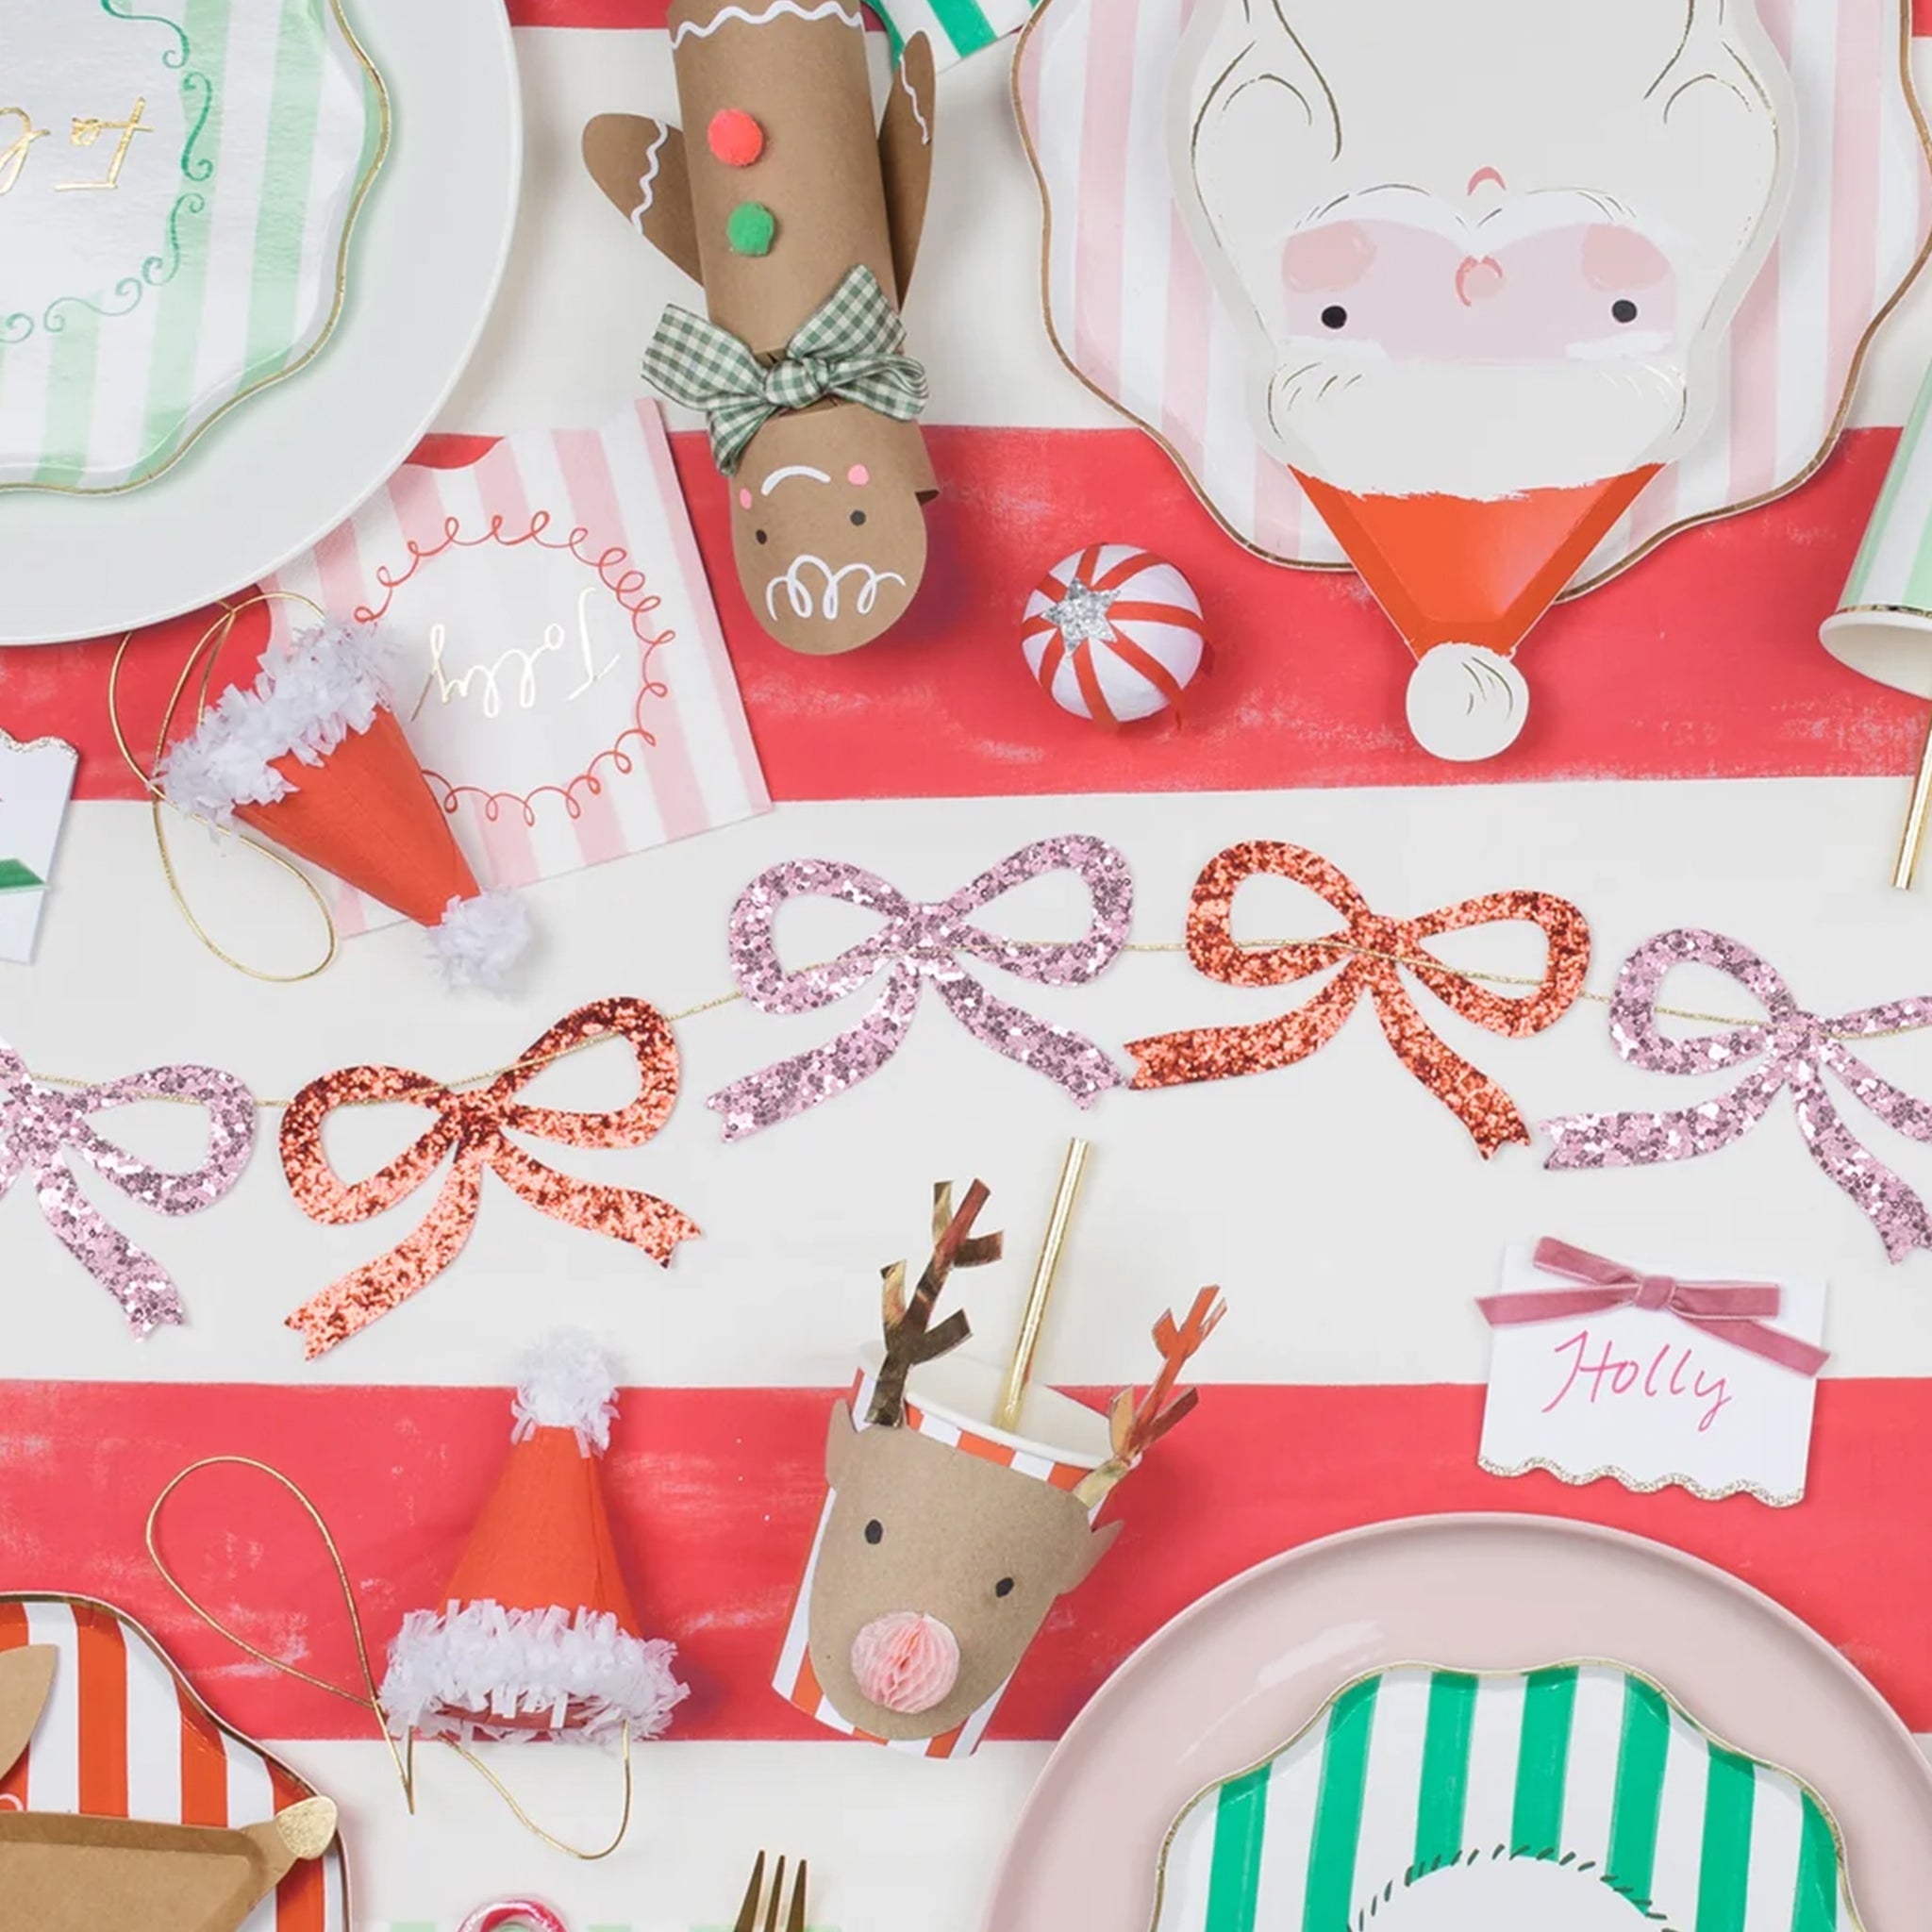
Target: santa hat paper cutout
[538, 1637]
[313, 757]
[1463, 580]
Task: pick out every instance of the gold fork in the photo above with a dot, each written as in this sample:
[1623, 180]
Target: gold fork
[748, 1911]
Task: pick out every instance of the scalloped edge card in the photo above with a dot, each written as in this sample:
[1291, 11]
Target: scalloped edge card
[1648, 1399]
[36, 780]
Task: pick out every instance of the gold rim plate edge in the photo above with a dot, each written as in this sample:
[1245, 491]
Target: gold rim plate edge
[375, 83]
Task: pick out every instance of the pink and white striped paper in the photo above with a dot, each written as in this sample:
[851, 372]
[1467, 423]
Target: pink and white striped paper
[1131, 309]
[566, 684]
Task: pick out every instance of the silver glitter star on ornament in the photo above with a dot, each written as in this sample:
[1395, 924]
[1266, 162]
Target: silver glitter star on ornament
[1080, 616]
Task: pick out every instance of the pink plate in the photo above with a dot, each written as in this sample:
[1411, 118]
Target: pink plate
[1237, 1673]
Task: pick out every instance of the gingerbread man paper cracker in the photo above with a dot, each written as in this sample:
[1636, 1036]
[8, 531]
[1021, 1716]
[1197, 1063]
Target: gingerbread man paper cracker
[801, 218]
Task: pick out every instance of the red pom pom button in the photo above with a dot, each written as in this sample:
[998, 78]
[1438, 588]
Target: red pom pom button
[735, 138]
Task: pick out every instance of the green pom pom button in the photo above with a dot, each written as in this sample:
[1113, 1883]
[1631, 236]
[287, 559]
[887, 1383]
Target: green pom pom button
[750, 228]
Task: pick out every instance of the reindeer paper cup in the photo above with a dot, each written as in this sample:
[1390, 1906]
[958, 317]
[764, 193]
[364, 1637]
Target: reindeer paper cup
[1883, 623]
[941, 1546]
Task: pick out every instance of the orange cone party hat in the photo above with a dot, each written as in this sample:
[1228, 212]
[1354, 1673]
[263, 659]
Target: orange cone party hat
[538, 1636]
[1463, 581]
[312, 757]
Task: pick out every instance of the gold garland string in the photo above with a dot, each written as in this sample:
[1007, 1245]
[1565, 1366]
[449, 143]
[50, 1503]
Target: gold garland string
[205, 655]
[369, 1698]
[532, 1063]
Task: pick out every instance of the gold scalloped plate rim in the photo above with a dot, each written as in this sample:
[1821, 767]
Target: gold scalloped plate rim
[70, 1598]
[350, 220]
[1643, 1486]
[1798, 479]
[1854, 1922]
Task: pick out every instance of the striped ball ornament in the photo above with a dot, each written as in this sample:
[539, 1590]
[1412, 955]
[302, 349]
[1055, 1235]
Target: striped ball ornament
[1113, 633]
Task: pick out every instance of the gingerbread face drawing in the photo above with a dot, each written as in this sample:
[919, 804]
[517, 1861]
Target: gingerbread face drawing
[801, 218]
[826, 536]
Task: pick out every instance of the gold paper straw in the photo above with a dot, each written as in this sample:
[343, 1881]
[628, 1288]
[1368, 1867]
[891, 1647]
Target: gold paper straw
[1915, 819]
[1021, 1369]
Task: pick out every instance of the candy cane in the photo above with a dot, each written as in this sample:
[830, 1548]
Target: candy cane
[502, 1914]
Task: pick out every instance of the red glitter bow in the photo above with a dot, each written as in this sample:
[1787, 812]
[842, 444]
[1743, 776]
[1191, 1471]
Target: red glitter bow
[475, 1128]
[1372, 950]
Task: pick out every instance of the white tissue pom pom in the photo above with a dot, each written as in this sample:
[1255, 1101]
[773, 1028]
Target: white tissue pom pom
[311, 691]
[481, 940]
[1466, 702]
[566, 1383]
[452, 1675]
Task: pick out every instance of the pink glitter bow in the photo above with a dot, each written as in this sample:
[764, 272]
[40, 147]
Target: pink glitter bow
[1733, 1311]
[922, 942]
[41, 1126]
[1797, 1049]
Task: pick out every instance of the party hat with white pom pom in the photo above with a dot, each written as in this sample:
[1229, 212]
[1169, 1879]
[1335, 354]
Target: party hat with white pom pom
[312, 757]
[538, 1636]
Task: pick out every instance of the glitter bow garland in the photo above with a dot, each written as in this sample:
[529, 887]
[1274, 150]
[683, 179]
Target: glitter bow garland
[1732, 1311]
[1796, 1048]
[475, 1128]
[1371, 951]
[42, 1127]
[922, 942]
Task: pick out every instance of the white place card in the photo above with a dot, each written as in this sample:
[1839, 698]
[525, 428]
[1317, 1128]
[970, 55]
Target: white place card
[35, 782]
[1646, 1397]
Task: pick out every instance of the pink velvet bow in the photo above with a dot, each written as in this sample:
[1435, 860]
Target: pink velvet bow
[1733, 1311]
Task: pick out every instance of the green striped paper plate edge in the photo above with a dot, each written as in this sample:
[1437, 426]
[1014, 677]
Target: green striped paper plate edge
[1408, 1778]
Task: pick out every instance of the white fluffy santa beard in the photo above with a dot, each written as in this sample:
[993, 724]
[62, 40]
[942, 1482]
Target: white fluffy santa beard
[1509, 1891]
[1387, 427]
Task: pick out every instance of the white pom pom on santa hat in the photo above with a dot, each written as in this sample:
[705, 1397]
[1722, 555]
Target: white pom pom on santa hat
[1466, 702]
[480, 941]
[566, 1383]
[538, 1636]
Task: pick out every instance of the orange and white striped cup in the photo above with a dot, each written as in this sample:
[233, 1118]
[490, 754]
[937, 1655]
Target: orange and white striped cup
[945, 1402]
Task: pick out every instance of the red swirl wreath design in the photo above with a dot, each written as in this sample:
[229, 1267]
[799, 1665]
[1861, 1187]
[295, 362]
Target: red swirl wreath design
[629, 586]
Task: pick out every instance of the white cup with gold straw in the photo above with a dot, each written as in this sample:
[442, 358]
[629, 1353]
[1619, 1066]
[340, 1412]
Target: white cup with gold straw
[1883, 625]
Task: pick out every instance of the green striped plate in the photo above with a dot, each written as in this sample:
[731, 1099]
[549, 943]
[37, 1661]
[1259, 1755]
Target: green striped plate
[1579, 1798]
[228, 145]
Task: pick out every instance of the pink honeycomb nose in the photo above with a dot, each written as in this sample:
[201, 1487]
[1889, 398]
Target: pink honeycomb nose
[905, 1662]
[1478, 279]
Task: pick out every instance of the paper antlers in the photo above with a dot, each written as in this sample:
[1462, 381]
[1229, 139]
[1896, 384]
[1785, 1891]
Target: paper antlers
[910, 1339]
[1133, 1426]
[802, 223]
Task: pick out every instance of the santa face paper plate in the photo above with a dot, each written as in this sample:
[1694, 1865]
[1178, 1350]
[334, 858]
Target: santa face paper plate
[177, 182]
[1478, 299]
[1578, 1797]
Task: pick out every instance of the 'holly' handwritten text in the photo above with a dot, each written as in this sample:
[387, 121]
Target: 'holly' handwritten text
[1607, 1374]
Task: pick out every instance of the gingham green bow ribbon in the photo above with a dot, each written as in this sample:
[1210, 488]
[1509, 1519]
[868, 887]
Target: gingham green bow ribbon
[851, 346]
